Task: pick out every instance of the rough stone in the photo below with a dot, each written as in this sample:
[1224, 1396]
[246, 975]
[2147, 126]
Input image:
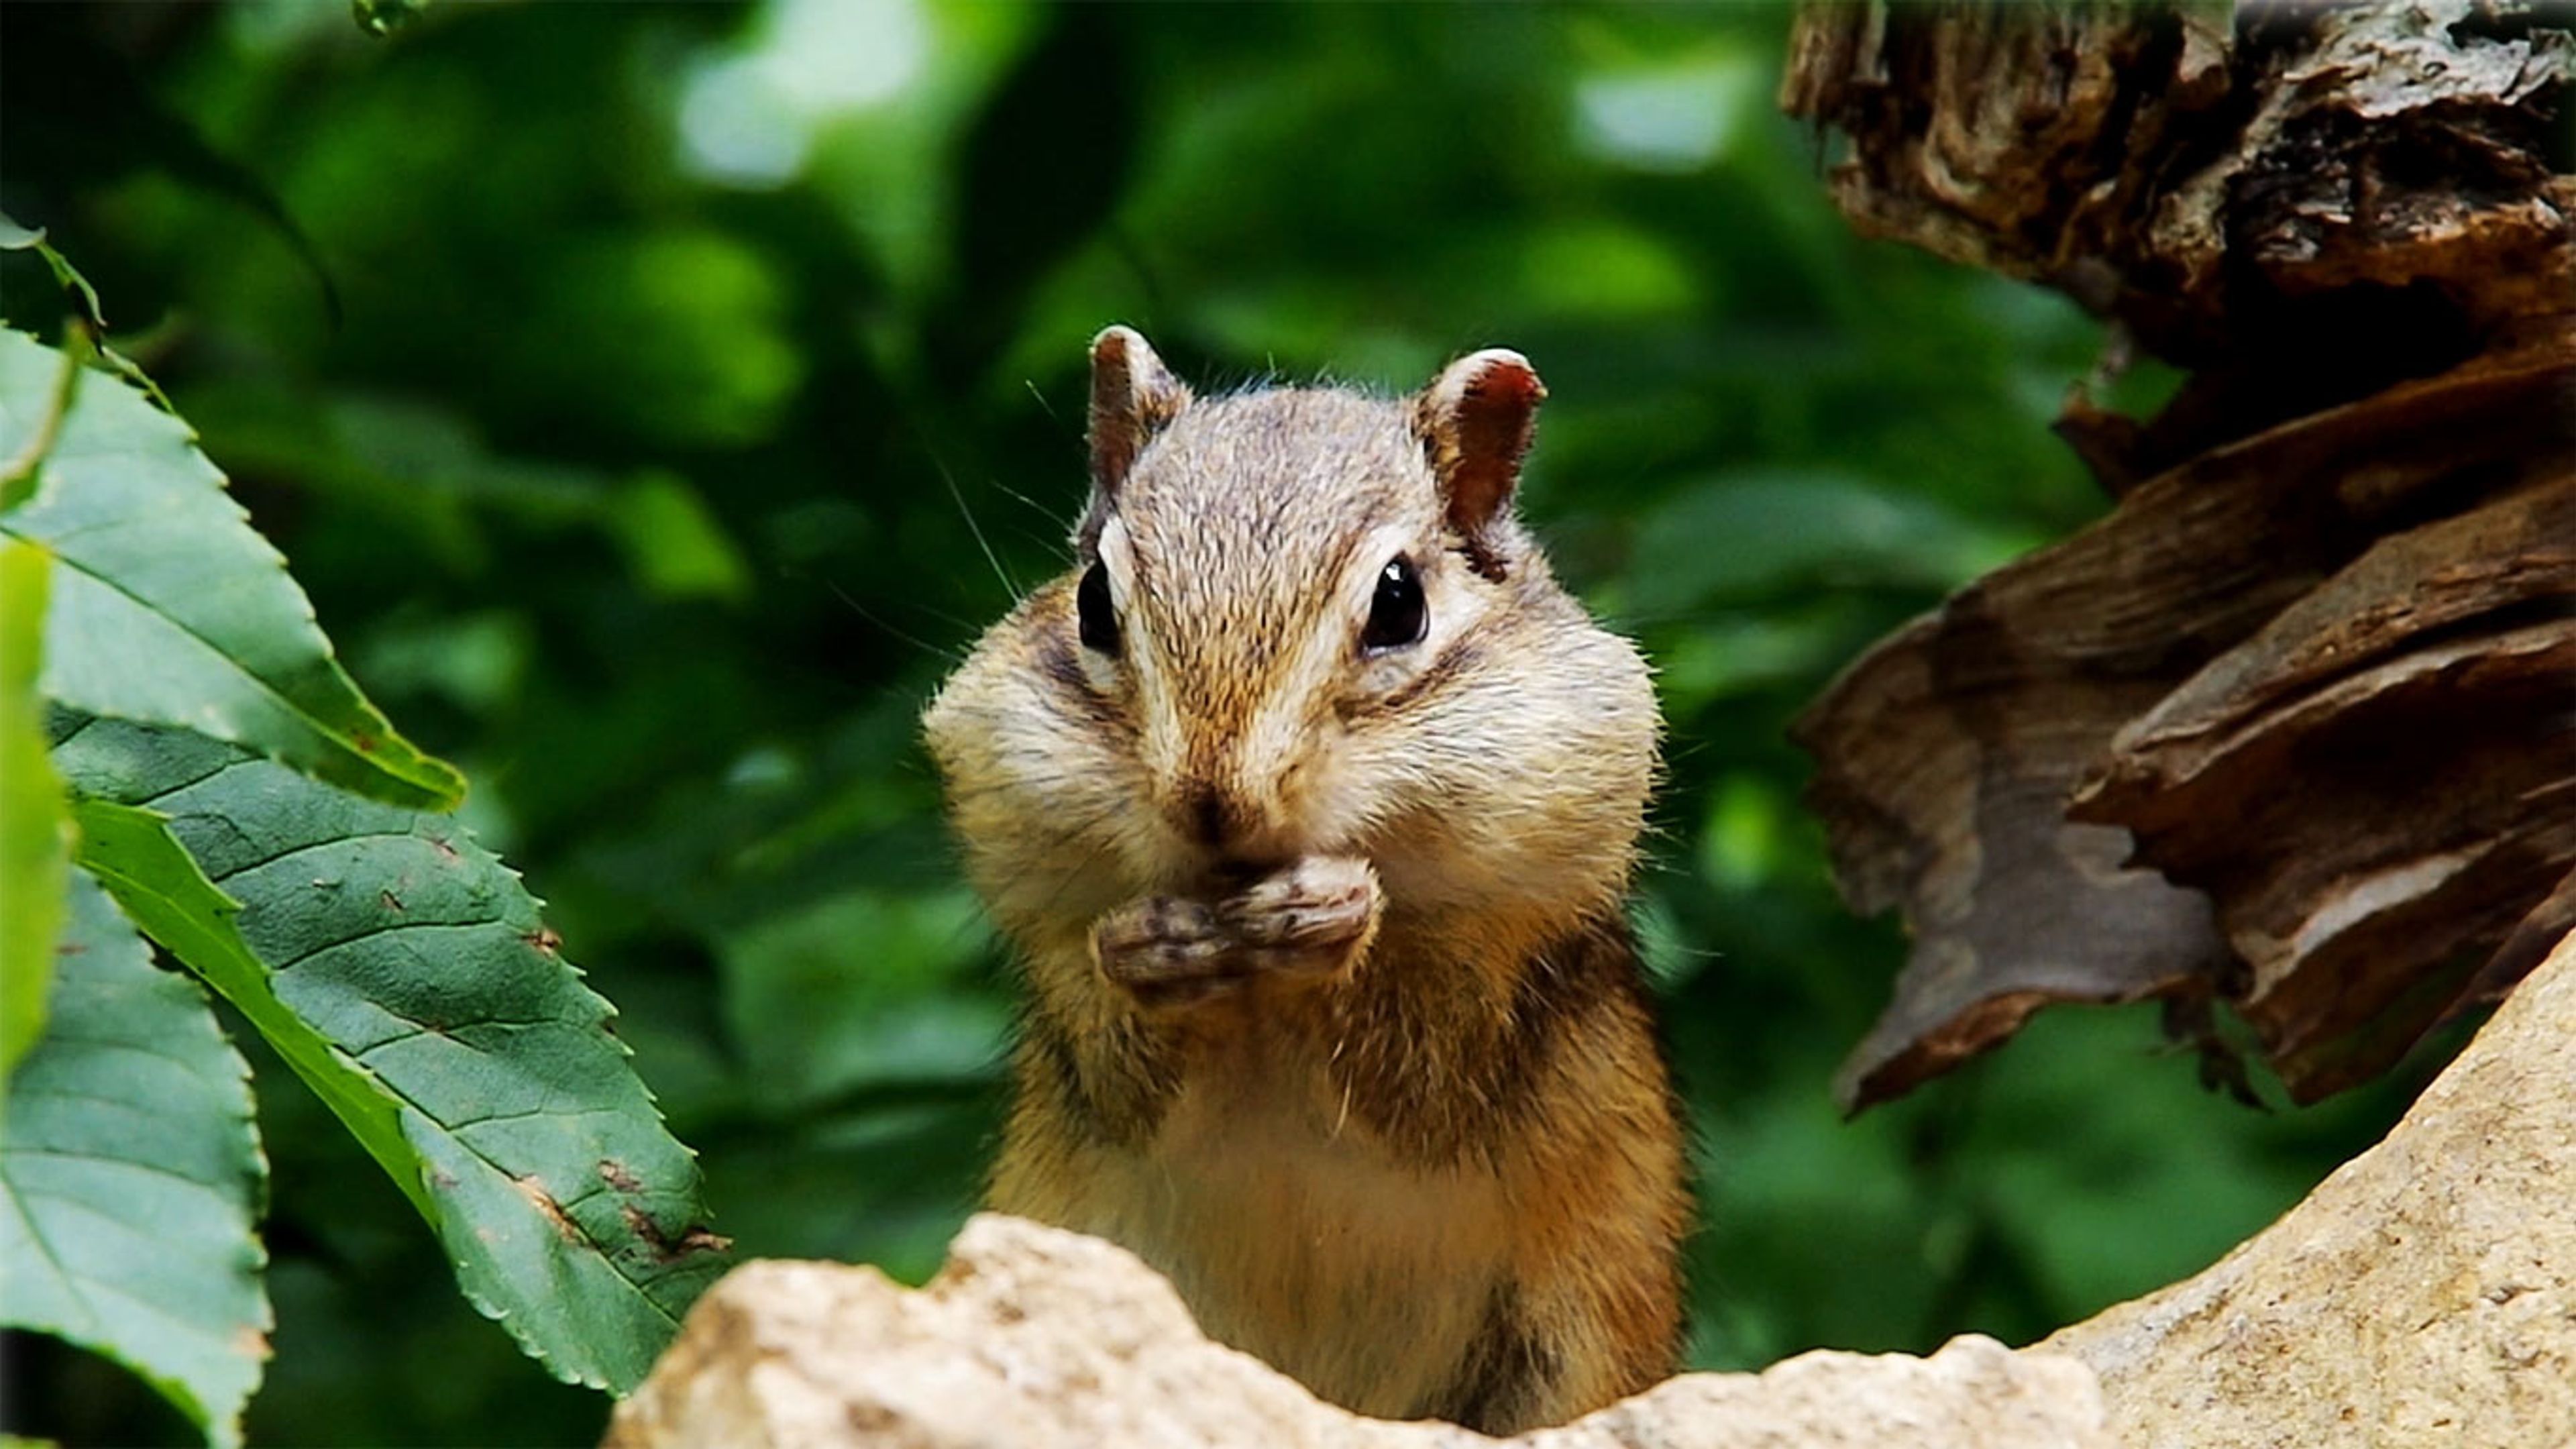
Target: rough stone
[2423, 1294]
[1035, 1336]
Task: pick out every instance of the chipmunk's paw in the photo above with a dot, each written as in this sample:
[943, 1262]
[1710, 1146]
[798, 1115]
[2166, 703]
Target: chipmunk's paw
[1168, 950]
[1310, 918]
[1314, 915]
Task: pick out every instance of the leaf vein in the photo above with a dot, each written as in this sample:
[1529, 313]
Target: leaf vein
[334, 734]
[290, 852]
[138, 1164]
[383, 929]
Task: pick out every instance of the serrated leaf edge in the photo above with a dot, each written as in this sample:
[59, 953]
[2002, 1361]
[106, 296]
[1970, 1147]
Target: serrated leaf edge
[227, 1430]
[426, 781]
[418, 1175]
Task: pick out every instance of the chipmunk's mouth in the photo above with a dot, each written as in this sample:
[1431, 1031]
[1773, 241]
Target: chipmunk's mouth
[1233, 874]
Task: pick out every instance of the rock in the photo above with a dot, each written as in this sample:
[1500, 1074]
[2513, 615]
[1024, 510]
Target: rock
[1973, 1393]
[2423, 1294]
[1034, 1336]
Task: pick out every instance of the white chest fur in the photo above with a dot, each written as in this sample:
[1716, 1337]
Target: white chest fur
[1296, 1236]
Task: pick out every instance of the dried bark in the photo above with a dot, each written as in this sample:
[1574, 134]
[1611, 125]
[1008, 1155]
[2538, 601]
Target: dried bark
[2211, 187]
[2295, 726]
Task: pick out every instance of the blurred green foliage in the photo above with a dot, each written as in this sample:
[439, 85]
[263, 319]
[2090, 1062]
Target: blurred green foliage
[688, 362]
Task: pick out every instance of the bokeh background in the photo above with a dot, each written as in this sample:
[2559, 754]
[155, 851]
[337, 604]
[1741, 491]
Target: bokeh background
[656, 399]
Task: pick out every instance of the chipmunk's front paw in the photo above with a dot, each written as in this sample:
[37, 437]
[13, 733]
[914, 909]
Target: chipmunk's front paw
[1168, 950]
[1315, 915]
[1310, 918]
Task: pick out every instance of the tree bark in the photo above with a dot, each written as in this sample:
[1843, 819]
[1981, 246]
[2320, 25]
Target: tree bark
[2294, 728]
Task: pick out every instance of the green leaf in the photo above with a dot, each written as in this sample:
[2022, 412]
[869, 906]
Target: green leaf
[674, 543]
[130, 1177]
[531, 1146]
[823, 1020]
[1754, 533]
[87, 334]
[33, 827]
[169, 608]
[14, 237]
[384, 17]
[133, 854]
[34, 442]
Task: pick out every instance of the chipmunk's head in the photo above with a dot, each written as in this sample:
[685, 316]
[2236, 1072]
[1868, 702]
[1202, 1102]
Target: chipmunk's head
[1301, 621]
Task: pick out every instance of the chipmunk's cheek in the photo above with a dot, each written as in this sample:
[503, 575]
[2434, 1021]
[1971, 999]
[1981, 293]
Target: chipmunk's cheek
[1326, 799]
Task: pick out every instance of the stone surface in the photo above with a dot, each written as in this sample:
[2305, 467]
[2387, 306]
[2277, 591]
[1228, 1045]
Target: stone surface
[1034, 1336]
[2423, 1294]
[1973, 1393]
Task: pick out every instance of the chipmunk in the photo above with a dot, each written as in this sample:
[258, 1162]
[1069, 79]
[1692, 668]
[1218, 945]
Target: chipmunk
[1309, 800]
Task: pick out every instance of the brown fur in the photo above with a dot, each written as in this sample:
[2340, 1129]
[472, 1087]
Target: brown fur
[1332, 1012]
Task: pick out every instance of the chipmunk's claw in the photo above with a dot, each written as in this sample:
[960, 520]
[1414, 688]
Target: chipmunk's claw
[1317, 905]
[1312, 917]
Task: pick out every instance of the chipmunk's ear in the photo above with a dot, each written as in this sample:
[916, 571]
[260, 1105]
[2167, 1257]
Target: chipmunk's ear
[1133, 397]
[1475, 422]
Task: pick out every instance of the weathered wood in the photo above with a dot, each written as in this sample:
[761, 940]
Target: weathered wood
[2295, 726]
[2379, 781]
[2332, 168]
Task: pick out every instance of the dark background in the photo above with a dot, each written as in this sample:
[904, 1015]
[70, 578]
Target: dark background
[630, 386]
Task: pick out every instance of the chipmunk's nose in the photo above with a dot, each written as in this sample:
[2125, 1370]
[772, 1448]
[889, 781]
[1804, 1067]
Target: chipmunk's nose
[1214, 816]
[1224, 822]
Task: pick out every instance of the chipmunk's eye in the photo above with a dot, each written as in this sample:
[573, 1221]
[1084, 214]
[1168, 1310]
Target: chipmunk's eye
[1099, 620]
[1397, 614]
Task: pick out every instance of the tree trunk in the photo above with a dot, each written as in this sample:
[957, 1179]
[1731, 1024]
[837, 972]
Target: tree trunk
[2294, 728]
